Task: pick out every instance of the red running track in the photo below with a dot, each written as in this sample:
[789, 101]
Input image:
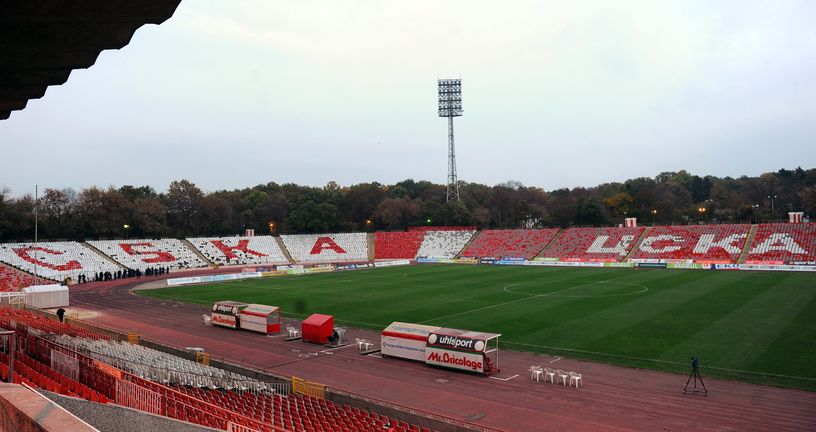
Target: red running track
[612, 399]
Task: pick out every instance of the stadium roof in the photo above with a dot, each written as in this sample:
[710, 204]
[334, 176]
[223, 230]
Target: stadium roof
[41, 42]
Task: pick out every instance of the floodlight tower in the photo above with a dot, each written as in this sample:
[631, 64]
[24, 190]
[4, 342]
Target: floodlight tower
[450, 106]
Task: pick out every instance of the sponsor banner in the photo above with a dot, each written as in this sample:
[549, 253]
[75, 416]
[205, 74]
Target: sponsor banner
[222, 320]
[290, 267]
[772, 267]
[619, 264]
[392, 263]
[249, 275]
[549, 259]
[219, 278]
[510, 262]
[646, 260]
[403, 348]
[296, 271]
[799, 263]
[681, 261]
[765, 262]
[273, 273]
[651, 265]
[708, 263]
[514, 259]
[455, 342]
[566, 263]
[471, 362]
[685, 266]
[249, 269]
[184, 281]
[487, 261]
[726, 266]
[322, 269]
[424, 260]
[466, 261]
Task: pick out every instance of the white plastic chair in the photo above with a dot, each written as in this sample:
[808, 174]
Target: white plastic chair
[562, 376]
[549, 373]
[535, 373]
[576, 378]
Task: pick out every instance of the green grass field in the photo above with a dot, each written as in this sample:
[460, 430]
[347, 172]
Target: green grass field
[750, 326]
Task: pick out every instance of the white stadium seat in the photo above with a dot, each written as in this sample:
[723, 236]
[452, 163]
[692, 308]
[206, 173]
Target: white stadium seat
[313, 248]
[144, 254]
[443, 244]
[55, 260]
[240, 250]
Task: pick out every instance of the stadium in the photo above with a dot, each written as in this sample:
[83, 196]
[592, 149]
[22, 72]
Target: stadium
[454, 307]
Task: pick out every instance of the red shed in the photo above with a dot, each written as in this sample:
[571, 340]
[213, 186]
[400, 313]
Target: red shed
[317, 328]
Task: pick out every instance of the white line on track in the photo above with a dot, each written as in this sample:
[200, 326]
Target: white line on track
[556, 359]
[337, 348]
[503, 379]
[375, 355]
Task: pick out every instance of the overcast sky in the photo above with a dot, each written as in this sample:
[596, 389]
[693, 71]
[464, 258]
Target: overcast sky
[231, 94]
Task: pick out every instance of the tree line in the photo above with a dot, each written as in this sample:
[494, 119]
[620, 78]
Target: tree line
[185, 210]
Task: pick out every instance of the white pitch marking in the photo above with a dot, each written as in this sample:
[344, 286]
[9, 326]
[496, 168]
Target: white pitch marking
[504, 379]
[337, 348]
[375, 355]
[556, 359]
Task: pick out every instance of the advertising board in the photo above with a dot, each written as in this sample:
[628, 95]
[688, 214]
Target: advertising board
[392, 263]
[223, 320]
[183, 281]
[470, 362]
[651, 265]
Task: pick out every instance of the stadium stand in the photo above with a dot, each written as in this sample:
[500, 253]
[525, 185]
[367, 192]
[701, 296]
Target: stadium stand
[300, 413]
[701, 243]
[143, 254]
[397, 245]
[593, 244]
[311, 248]
[55, 260]
[39, 375]
[240, 250]
[783, 243]
[509, 243]
[443, 244]
[28, 319]
[12, 279]
[89, 368]
[158, 366]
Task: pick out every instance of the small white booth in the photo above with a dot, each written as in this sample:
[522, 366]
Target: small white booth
[261, 318]
[46, 296]
[405, 340]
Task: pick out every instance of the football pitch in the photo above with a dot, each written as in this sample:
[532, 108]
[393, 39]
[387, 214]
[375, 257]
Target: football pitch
[750, 326]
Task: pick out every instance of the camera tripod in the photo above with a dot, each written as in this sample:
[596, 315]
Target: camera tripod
[695, 375]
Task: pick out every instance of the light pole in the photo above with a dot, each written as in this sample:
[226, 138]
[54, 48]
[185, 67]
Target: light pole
[654, 217]
[271, 227]
[754, 213]
[772, 198]
[125, 228]
[702, 211]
